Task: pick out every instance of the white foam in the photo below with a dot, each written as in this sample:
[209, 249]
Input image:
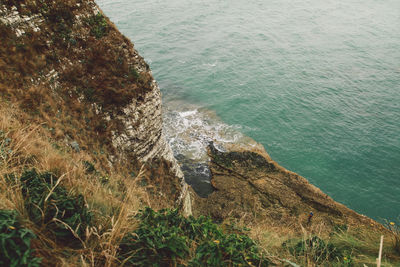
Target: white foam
[210, 64]
[189, 131]
[187, 113]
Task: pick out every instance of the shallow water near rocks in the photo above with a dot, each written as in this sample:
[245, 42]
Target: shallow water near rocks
[189, 130]
[316, 82]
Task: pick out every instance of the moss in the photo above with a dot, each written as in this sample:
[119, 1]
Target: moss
[133, 74]
[98, 25]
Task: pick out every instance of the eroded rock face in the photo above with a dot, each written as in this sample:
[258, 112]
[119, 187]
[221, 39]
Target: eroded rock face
[142, 136]
[250, 186]
[88, 82]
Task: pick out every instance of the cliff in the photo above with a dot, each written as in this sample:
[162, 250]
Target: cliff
[82, 151]
[67, 67]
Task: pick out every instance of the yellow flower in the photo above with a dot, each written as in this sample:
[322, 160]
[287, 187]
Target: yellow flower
[345, 258]
[392, 223]
[216, 242]
[11, 227]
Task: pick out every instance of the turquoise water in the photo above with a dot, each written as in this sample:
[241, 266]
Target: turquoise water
[316, 82]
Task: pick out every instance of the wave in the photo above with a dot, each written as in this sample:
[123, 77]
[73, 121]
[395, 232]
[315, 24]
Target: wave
[189, 129]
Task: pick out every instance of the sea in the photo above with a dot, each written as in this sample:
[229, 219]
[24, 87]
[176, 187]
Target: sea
[317, 83]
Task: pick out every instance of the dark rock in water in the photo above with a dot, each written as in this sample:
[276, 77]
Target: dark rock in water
[199, 178]
[197, 175]
[246, 158]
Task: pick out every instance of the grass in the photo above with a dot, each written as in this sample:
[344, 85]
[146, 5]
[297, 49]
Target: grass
[98, 75]
[352, 246]
[166, 238]
[113, 197]
[111, 205]
[98, 25]
[65, 48]
[395, 234]
[53, 208]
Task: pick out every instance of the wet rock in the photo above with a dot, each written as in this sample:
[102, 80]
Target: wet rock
[251, 187]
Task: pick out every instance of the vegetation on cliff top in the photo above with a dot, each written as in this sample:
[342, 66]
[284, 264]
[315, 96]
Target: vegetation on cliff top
[166, 238]
[64, 201]
[15, 242]
[80, 217]
[70, 70]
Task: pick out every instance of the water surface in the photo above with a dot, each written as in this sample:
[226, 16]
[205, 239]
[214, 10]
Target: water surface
[316, 82]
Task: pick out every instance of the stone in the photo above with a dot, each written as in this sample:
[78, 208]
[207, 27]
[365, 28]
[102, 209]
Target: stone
[75, 146]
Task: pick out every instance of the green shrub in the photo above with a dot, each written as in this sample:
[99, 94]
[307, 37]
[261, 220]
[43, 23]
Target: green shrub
[317, 249]
[149, 246]
[52, 206]
[194, 229]
[15, 242]
[133, 74]
[157, 242]
[98, 25]
[62, 33]
[347, 261]
[201, 228]
[165, 238]
[89, 167]
[228, 250]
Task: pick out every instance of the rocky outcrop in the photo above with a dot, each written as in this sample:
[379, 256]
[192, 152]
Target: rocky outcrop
[250, 186]
[67, 62]
[142, 136]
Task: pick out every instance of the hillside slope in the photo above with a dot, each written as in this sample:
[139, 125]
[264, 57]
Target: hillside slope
[68, 68]
[82, 152]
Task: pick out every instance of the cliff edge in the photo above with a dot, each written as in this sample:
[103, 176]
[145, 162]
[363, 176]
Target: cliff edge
[250, 185]
[66, 66]
[82, 152]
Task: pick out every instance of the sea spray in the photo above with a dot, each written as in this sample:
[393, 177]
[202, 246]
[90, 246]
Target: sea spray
[189, 129]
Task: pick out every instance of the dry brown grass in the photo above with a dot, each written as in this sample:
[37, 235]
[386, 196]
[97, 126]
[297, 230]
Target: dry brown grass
[113, 203]
[40, 117]
[359, 242]
[92, 73]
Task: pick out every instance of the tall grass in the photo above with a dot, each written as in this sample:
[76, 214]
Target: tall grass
[113, 203]
[357, 245]
[394, 229]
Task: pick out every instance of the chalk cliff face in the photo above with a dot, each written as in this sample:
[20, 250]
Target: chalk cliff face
[143, 136]
[69, 64]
